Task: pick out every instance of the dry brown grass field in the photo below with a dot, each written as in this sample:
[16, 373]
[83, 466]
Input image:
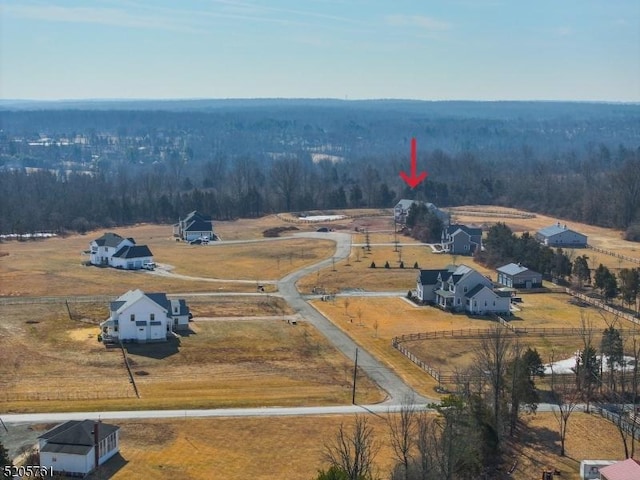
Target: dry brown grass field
[356, 272]
[606, 238]
[55, 266]
[238, 306]
[373, 322]
[254, 261]
[220, 364]
[292, 447]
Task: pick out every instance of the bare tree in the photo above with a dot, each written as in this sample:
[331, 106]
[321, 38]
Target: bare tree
[286, 175]
[402, 426]
[491, 360]
[353, 452]
[587, 367]
[565, 397]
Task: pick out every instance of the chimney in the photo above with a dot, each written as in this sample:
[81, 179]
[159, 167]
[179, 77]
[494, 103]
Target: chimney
[96, 442]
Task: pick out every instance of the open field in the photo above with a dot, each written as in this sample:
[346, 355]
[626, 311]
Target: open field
[55, 266]
[606, 238]
[356, 272]
[248, 363]
[292, 447]
[373, 322]
[239, 306]
[254, 261]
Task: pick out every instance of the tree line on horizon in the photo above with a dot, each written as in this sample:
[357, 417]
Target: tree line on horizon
[149, 166]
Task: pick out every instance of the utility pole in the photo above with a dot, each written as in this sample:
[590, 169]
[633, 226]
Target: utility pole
[355, 374]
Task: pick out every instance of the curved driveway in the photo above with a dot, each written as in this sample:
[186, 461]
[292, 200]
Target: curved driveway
[386, 379]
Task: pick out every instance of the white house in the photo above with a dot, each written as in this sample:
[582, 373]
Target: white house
[462, 288]
[427, 283]
[401, 210]
[78, 447]
[144, 317]
[195, 226]
[115, 251]
[560, 236]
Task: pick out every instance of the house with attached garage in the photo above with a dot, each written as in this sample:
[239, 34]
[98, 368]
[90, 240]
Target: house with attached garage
[195, 226]
[515, 275]
[78, 447]
[401, 210]
[462, 289]
[560, 236]
[461, 239]
[144, 317]
[112, 250]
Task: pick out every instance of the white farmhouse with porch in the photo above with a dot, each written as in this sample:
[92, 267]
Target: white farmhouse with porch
[144, 317]
[78, 447]
[461, 288]
[112, 250]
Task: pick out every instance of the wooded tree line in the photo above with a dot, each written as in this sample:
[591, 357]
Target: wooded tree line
[132, 166]
[246, 188]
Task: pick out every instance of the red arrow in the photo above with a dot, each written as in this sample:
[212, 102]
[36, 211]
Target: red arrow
[414, 180]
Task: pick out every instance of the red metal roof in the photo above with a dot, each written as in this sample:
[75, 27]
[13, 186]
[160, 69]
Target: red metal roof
[626, 470]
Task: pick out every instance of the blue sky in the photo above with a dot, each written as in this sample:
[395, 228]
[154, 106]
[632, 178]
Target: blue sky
[420, 49]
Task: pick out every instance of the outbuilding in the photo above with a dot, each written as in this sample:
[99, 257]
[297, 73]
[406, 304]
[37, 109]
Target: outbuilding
[77, 447]
[560, 236]
[515, 275]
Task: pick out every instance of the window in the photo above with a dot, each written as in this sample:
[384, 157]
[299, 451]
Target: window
[115, 329]
[133, 317]
[152, 316]
[465, 289]
[485, 303]
[175, 309]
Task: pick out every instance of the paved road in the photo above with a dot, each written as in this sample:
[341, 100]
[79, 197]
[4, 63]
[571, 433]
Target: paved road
[17, 418]
[396, 389]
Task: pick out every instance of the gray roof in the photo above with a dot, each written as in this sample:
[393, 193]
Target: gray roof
[405, 204]
[475, 231]
[114, 306]
[556, 229]
[136, 251]
[474, 291]
[109, 239]
[75, 436]
[512, 269]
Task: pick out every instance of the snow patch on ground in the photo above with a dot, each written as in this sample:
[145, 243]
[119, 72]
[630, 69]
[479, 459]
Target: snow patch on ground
[322, 218]
[568, 365]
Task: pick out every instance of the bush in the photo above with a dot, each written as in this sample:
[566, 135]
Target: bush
[633, 233]
[386, 265]
[373, 265]
[401, 264]
[415, 265]
[409, 295]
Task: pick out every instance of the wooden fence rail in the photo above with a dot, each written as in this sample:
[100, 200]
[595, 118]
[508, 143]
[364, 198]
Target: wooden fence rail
[603, 306]
[55, 300]
[614, 254]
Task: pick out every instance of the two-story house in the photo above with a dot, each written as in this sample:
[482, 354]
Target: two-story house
[112, 250]
[144, 317]
[461, 239]
[461, 288]
[401, 210]
[195, 226]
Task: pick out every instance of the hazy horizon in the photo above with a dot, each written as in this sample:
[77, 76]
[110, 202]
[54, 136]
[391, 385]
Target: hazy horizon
[482, 50]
